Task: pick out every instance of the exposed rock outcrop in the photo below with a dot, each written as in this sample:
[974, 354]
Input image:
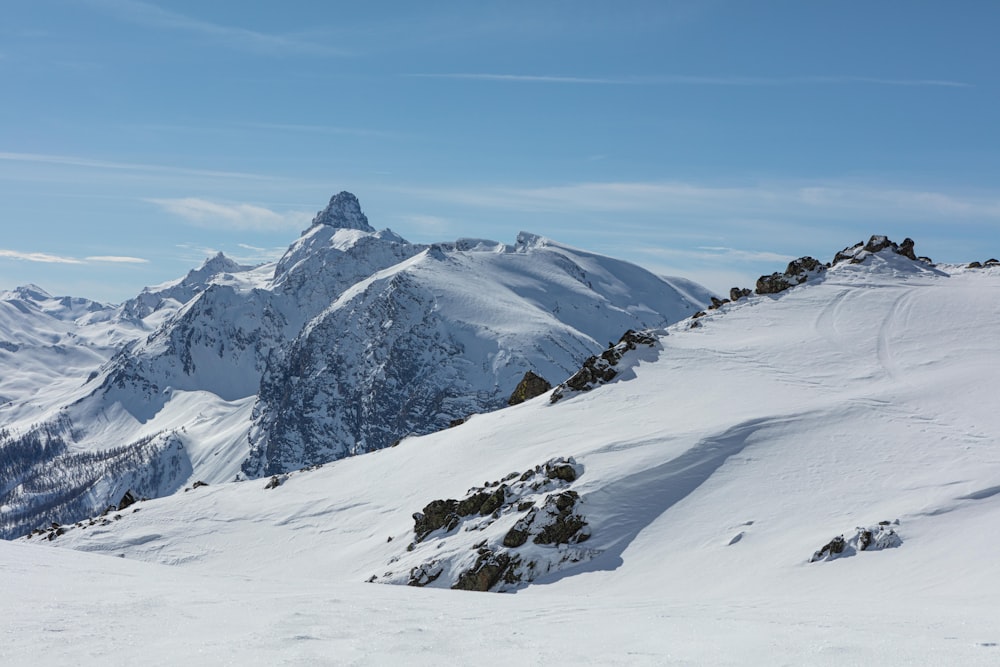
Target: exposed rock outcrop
[517, 528]
[860, 251]
[530, 386]
[871, 538]
[127, 500]
[798, 271]
[737, 293]
[600, 369]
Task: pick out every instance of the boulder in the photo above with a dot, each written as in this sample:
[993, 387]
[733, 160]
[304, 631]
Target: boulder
[127, 500]
[831, 549]
[530, 386]
[489, 569]
[737, 293]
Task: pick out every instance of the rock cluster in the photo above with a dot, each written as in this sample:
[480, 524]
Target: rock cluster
[544, 525]
[805, 268]
[600, 369]
[112, 513]
[798, 271]
[860, 251]
[871, 538]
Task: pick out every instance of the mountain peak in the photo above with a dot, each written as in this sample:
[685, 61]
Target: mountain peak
[219, 263]
[344, 212]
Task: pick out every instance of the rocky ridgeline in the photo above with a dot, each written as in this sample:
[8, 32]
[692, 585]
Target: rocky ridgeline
[872, 538]
[501, 536]
[112, 513]
[601, 369]
[803, 269]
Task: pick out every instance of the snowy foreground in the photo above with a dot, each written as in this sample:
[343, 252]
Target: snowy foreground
[708, 476]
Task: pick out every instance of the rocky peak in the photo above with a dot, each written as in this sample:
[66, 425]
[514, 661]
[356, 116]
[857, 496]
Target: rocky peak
[858, 252]
[343, 212]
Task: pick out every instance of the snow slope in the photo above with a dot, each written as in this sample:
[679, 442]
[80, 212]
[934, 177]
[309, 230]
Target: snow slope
[708, 475]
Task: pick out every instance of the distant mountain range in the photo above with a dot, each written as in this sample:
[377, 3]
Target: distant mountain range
[354, 339]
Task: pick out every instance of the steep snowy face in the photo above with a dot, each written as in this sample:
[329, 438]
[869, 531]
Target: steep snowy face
[343, 212]
[441, 336]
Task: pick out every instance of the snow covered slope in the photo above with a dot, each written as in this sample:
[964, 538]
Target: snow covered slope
[352, 340]
[705, 478]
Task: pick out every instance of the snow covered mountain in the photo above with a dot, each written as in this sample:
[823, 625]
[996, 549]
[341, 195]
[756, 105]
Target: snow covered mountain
[807, 475]
[354, 339]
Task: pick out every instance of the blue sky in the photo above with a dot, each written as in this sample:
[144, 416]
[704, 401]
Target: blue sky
[709, 139]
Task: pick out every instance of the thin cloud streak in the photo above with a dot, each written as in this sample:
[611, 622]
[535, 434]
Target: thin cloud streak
[679, 198]
[47, 258]
[116, 259]
[682, 80]
[89, 163]
[149, 14]
[232, 216]
[40, 257]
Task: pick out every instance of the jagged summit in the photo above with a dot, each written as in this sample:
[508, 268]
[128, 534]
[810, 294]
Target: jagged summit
[213, 266]
[343, 212]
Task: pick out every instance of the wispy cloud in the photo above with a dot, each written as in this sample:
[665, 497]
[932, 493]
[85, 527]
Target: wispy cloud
[684, 80]
[40, 257]
[47, 258]
[116, 259]
[763, 200]
[149, 14]
[90, 163]
[232, 216]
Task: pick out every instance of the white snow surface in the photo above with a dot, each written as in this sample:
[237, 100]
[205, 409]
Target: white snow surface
[727, 455]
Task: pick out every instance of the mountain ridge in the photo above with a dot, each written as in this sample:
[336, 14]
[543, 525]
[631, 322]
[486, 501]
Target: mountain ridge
[303, 331]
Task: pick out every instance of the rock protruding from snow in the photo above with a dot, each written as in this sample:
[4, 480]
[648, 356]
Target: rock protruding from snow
[857, 253]
[501, 536]
[798, 271]
[870, 538]
[343, 212]
[737, 293]
[530, 386]
[601, 369]
[860, 251]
